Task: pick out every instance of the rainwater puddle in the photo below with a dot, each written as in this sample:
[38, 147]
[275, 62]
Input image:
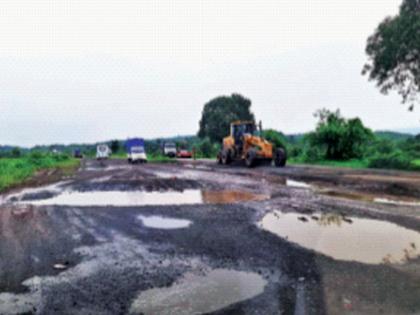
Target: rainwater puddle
[158, 222]
[142, 198]
[200, 294]
[351, 239]
[297, 184]
[370, 198]
[397, 202]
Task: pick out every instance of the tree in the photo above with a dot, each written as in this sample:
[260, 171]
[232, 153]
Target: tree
[115, 146]
[219, 112]
[394, 53]
[275, 137]
[338, 137]
[16, 152]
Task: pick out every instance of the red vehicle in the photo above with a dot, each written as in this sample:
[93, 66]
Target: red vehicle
[184, 154]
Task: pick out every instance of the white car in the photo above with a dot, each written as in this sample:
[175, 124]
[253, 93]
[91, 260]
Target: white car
[102, 152]
[137, 154]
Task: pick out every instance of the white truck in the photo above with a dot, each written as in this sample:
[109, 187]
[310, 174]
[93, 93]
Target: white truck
[102, 152]
[169, 149]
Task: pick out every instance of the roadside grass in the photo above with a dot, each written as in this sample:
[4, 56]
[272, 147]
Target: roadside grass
[355, 164]
[14, 171]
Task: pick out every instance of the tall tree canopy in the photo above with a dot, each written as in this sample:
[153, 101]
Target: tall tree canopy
[219, 112]
[394, 53]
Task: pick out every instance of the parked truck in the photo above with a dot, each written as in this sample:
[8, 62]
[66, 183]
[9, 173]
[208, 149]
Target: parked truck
[135, 150]
[169, 149]
[102, 152]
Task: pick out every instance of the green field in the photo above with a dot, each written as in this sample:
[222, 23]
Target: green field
[14, 171]
[356, 164]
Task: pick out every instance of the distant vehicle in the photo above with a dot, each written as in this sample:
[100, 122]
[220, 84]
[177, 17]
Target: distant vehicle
[102, 152]
[77, 154]
[169, 149]
[184, 154]
[135, 150]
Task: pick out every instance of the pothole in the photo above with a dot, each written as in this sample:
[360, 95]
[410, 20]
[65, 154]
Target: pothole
[158, 222]
[142, 198]
[366, 197]
[200, 294]
[346, 238]
[297, 184]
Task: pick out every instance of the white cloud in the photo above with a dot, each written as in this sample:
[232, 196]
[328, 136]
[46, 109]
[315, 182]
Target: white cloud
[147, 67]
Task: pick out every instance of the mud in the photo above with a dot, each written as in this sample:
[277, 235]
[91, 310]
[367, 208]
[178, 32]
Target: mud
[116, 256]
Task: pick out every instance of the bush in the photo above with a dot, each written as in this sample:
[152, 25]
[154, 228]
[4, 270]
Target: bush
[275, 137]
[312, 154]
[394, 160]
[207, 149]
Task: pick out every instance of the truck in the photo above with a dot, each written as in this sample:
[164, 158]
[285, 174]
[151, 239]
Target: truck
[102, 152]
[169, 149]
[135, 150]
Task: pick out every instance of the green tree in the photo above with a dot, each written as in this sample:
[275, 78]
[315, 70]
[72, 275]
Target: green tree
[394, 53]
[206, 148]
[338, 137]
[219, 112]
[275, 137]
[115, 146]
[16, 152]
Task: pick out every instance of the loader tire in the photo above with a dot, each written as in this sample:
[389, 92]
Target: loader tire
[226, 157]
[219, 158]
[280, 158]
[250, 158]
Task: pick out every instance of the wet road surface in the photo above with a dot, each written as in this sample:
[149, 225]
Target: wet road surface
[197, 238]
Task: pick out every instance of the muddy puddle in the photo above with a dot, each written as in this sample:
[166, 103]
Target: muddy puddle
[141, 198]
[158, 222]
[346, 238]
[297, 184]
[200, 294]
[366, 197]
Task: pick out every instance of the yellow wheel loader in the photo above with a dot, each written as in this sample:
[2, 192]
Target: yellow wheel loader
[244, 145]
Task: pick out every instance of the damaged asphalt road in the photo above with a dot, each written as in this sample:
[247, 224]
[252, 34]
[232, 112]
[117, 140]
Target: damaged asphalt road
[100, 242]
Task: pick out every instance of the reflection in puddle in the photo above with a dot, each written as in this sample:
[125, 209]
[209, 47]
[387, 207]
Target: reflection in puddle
[158, 222]
[297, 184]
[370, 198]
[200, 294]
[139, 198]
[364, 240]
[397, 202]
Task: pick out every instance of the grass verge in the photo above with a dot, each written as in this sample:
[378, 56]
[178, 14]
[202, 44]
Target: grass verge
[14, 171]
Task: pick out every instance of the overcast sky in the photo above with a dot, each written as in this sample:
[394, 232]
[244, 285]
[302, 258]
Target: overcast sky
[85, 71]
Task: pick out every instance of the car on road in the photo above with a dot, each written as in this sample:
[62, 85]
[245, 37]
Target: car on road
[102, 152]
[169, 149]
[184, 154]
[135, 150]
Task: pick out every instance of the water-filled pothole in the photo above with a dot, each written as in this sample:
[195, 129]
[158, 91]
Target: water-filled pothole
[346, 238]
[158, 222]
[141, 198]
[367, 197]
[200, 294]
[297, 184]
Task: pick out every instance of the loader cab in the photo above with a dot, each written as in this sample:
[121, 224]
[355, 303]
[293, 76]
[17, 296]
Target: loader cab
[238, 130]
